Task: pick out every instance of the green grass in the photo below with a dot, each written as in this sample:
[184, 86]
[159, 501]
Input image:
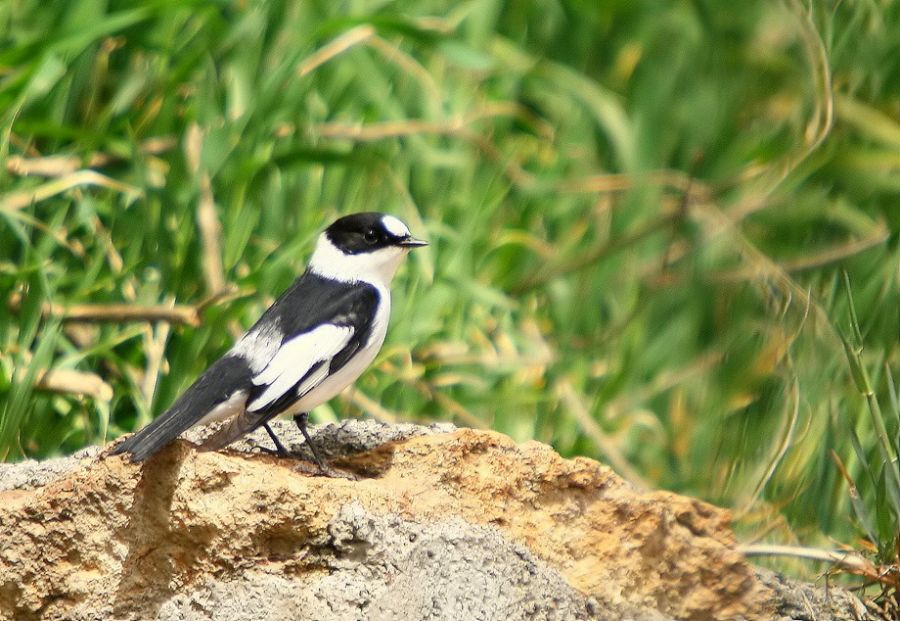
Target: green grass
[640, 215]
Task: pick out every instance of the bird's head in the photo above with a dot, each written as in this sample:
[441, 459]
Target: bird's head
[363, 247]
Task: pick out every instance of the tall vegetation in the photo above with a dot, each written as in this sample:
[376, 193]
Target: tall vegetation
[641, 216]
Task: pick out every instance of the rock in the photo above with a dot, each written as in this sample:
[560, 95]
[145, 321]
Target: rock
[439, 523]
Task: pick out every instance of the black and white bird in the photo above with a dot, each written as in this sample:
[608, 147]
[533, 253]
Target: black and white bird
[315, 340]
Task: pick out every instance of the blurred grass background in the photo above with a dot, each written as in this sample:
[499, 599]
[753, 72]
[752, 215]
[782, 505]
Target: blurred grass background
[640, 213]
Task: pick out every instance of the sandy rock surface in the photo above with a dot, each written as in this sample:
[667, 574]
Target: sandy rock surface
[430, 523]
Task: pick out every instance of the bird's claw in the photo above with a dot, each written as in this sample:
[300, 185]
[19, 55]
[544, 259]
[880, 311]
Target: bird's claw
[307, 465]
[277, 452]
[313, 469]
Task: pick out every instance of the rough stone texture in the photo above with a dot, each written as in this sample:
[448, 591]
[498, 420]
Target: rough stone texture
[798, 601]
[440, 524]
[442, 570]
[30, 473]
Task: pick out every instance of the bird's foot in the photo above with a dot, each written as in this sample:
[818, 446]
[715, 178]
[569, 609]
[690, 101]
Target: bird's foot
[265, 450]
[300, 420]
[313, 469]
[279, 449]
[318, 465]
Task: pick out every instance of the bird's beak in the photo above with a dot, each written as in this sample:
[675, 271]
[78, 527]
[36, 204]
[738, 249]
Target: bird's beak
[411, 242]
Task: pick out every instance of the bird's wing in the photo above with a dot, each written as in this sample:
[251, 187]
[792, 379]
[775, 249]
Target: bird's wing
[296, 366]
[229, 378]
[313, 348]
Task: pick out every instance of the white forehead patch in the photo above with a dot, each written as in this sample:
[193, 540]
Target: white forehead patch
[394, 226]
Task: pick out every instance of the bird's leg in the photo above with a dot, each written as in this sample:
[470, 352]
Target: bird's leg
[301, 419]
[279, 447]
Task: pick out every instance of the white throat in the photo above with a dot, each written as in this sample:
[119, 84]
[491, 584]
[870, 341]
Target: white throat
[376, 268]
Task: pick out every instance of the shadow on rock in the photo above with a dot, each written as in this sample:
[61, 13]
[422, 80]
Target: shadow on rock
[158, 549]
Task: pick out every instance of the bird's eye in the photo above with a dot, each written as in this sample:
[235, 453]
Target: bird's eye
[370, 236]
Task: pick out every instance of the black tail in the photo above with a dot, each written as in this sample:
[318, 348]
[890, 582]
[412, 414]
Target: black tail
[154, 436]
[219, 382]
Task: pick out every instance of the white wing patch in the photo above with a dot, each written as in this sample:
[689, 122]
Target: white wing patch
[395, 226]
[258, 347]
[294, 360]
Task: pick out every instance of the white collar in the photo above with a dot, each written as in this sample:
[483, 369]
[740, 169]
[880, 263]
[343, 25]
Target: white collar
[376, 268]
